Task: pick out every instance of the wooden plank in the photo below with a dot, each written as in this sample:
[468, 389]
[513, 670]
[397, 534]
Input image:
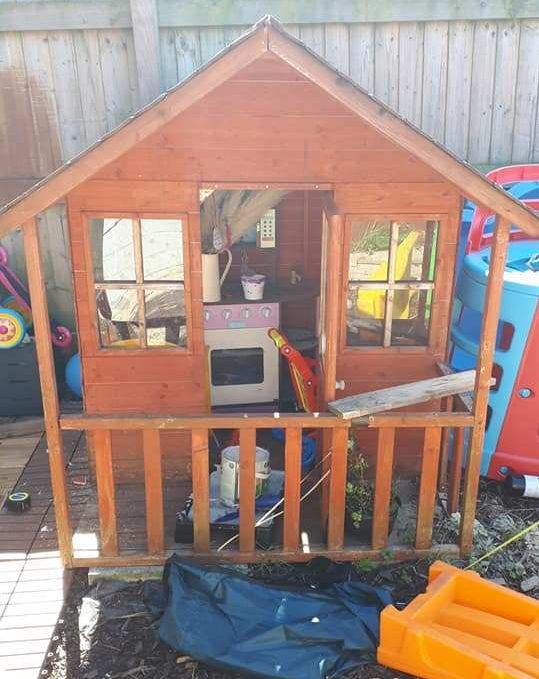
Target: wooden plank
[417, 420]
[466, 399]
[153, 490]
[22, 427]
[455, 471]
[102, 446]
[402, 395]
[247, 489]
[505, 78]
[337, 487]
[527, 89]
[484, 64]
[382, 487]
[428, 487]
[462, 176]
[120, 89]
[386, 63]
[47, 15]
[448, 406]
[434, 80]
[188, 55]
[88, 65]
[201, 489]
[362, 55]
[146, 42]
[411, 39]
[292, 488]
[459, 81]
[47, 376]
[482, 381]
[258, 421]
[313, 36]
[337, 46]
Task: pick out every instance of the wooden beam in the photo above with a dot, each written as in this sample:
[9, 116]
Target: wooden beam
[153, 491]
[382, 487]
[402, 395]
[292, 489]
[485, 362]
[256, 421]
[147, 52]
[416, 420]
[139, 127]
[102, 14]
[467, 180]
[337, 487]
[465, 399]
[201, 490]
[49, 391]
[455, 471]
[106, 495]
[427, 487]
[247, 489]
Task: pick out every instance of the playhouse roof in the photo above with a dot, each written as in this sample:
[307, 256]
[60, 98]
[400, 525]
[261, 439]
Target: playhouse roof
[266, 36]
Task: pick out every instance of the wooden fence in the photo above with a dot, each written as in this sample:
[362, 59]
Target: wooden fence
[332, 503]
[465, 73]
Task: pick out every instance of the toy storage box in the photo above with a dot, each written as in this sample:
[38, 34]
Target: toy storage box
[19, 382]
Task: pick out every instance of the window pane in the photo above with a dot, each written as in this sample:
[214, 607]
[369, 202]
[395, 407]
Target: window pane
[112, 249]
[416, 251]
[365, 310]
[117, 315]
[369, 250]
[165, 318]
[411, 317]
[162, 249]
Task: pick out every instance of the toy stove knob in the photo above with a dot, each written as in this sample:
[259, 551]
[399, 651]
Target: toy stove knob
[226, 314]
[245, 313]
[207, 315]
[265, 311]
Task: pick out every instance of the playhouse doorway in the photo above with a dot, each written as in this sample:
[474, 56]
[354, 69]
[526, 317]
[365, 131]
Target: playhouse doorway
[261, 270]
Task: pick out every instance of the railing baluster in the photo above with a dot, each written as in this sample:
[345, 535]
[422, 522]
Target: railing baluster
[153, 491]
[247, 489]
[455, 473]
[337, 487]
[201, 490]
[428, 487]
[106, 496]
[292, 488]
[382, 487]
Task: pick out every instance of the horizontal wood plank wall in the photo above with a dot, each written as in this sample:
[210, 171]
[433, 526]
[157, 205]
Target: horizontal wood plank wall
[156, 384]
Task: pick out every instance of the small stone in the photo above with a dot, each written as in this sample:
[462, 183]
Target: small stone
[530, 583]
[498, 581]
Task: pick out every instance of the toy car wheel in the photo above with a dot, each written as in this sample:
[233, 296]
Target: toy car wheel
[61, 337]
[12, 328]
[13, 303]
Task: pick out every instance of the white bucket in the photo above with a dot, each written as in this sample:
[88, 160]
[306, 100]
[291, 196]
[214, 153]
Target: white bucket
[253, 286]
[229, 474]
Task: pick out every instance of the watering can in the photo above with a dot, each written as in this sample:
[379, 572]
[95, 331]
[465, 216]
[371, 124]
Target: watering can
[211, 281]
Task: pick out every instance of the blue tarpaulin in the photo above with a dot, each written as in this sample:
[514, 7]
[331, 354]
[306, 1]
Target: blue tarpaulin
[234, 622]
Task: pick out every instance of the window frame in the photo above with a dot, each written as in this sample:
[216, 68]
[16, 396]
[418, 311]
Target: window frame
[139, 285]
[391, 285]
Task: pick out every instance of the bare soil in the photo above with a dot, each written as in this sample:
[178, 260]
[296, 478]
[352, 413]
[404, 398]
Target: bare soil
[118, 641]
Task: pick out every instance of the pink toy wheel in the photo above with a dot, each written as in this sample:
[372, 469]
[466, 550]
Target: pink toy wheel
[3, 256]
[61, 337]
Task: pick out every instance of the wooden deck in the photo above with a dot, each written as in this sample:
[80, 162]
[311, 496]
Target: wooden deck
[32, 580]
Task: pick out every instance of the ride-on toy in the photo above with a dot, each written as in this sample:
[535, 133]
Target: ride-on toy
[16, 312]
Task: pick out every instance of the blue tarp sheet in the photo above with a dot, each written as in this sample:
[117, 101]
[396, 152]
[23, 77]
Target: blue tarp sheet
[234, 622]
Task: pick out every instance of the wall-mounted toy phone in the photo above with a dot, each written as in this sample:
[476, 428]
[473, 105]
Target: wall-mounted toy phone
[265, 230]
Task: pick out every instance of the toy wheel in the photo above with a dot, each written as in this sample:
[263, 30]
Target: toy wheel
[12, 328]
[3, 256]
[61, 337]
[13, 303]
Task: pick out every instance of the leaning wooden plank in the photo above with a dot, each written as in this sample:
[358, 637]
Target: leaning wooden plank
[466, 398]
[402, 395]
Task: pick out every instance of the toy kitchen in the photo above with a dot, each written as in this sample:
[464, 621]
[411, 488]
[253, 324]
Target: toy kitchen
[246, 293]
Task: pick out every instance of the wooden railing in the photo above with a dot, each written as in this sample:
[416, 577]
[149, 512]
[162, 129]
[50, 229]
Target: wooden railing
[334, 450]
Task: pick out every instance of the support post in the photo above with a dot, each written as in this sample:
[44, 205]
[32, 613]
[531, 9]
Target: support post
[47, 377]
[489, 328]
[146, 42]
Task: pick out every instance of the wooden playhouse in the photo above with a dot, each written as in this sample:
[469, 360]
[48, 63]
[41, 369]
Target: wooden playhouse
[356, 217]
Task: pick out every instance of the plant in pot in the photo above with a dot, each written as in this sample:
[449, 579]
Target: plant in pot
[360, 497]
